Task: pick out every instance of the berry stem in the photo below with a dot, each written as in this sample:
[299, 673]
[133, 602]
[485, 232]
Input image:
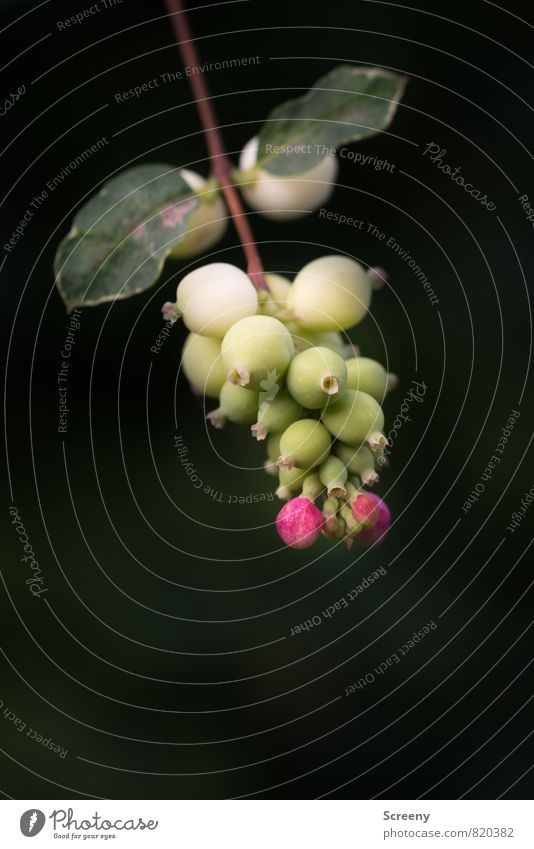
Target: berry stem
[220, 163]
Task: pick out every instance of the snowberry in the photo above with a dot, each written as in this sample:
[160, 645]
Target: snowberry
[330, 293]
[316, 376]
[356, 418]
[305, 339]
[333, 475]
[257, 350]
[274, 300]
[299, 523]
[275, 415]
[202, 364]
[291, 481]
[212, 298]
[365, 509]
[305, 444]
[235, 403]
[285, 198]
[273, 452]
[369, 376]
[359, 461]
[206, 224]
[380, 527]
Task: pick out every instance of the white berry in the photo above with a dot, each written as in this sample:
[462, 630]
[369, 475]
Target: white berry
[286, 198]
[330, 293]
[212, 298]
[206, 224]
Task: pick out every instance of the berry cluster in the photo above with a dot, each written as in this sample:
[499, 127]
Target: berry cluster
[277, 361]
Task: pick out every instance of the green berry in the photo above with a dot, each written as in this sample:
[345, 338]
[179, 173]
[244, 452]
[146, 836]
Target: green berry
[212, 298]
[291, 481]
[256, 349]
[305, 444]
[274, 301]
[316, 376]
[207, 222]
[369, 376]
[285, 198]
[273, 452]
[275, 415]
[333, 475]
[235, 403]
[330, 293]
[359, 461]
[304, 339]
[356, 418]
[312, 486]
[202, 364]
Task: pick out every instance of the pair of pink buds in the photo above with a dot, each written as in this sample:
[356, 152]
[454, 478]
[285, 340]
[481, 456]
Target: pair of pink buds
[299, 522]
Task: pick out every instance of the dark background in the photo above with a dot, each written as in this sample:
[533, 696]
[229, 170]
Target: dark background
[160, 655]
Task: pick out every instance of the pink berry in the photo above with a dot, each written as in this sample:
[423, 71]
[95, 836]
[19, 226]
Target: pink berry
[365, 509]
[381, 525]
[299, 523]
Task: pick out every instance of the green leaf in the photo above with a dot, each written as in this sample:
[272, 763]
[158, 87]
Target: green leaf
[119, 240]
[348, 104]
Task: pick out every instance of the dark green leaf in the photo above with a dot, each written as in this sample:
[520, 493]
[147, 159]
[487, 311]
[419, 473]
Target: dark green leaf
[120, 239]
[348, 104]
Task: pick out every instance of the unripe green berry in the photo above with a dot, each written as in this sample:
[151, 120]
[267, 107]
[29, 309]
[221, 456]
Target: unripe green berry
[305, 444]
[286, 198]
[369, 376]
[258, 348]
[274, 300]
[305, 339]
[330, 513]
[235, 403]
[212, 298]
[330, 293]
[291, 481]
[316, 376]
[312, 486]
[276, 415]
[359, 461]
[207, 222]
[202, 364]
[273, 452]
[333, 475]
[356, 418]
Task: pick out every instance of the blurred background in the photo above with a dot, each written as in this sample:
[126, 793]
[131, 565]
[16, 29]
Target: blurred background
[160, 657]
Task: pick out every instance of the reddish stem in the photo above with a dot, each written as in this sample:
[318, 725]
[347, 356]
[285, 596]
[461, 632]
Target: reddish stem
[220, 162]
